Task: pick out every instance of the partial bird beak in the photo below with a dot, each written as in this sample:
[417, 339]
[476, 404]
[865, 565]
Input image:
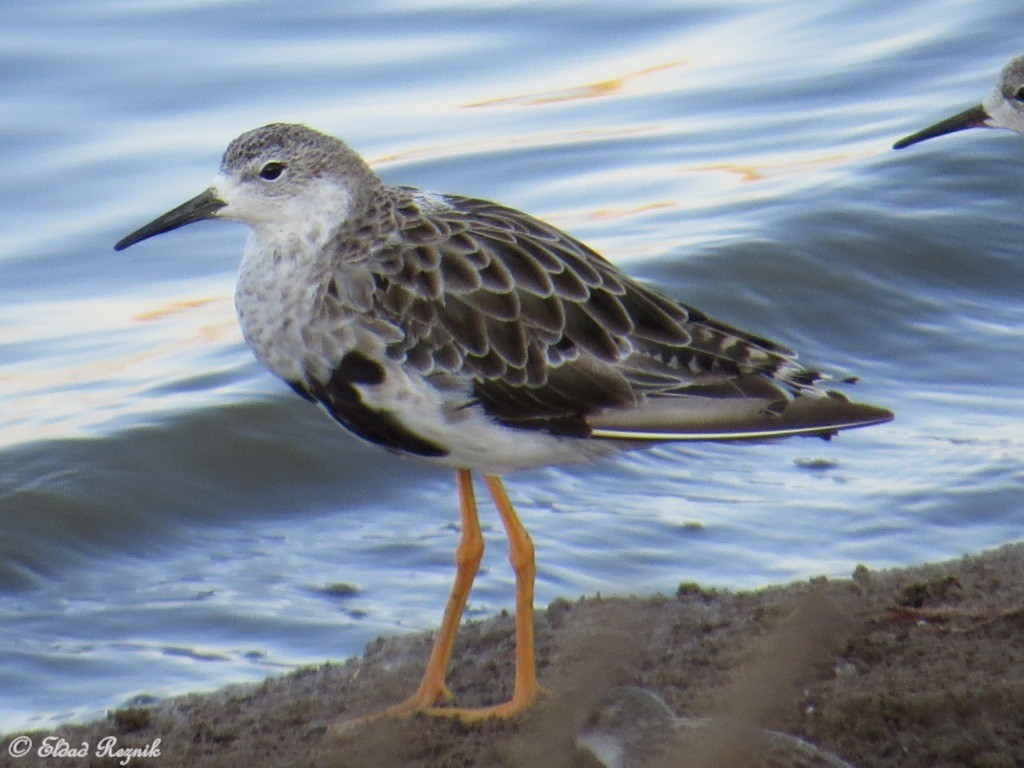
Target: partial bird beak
[975, 117]
[202, 206]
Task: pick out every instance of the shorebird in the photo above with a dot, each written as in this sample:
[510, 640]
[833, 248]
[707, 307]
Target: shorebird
[1002, 108]
[476, 337]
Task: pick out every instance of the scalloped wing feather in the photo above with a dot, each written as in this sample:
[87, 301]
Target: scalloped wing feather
[545, 331]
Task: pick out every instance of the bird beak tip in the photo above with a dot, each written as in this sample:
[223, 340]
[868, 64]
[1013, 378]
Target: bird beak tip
[205, 205]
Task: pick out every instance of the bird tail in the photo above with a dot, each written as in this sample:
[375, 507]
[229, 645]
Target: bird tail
[694, 418]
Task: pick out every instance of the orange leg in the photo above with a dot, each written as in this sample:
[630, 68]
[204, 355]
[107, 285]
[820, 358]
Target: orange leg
[467, 563]
[522, 558]
[467, 558]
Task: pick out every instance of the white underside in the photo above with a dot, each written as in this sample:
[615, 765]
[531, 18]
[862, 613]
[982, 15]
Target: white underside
[278, 280]
[473, 439]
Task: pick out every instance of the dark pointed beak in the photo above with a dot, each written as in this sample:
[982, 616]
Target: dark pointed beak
[975, 117]
[202, 206]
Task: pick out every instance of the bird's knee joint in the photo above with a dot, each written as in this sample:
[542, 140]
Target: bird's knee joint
[522, 557]
[469, 553]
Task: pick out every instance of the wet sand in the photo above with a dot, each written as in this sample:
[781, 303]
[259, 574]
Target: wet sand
[921, 666]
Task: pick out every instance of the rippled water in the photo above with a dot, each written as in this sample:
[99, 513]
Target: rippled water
[172, 518]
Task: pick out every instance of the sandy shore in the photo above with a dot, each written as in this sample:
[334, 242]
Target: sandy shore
[913, 667]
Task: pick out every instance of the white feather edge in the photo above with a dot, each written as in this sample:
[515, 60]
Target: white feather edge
[758, 434]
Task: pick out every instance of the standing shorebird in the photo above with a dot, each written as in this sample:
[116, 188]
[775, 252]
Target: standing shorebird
[477, 337]
[1002, 108]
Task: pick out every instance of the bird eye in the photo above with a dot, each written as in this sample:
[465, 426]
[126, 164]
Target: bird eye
[272, 170]
[1019, 94]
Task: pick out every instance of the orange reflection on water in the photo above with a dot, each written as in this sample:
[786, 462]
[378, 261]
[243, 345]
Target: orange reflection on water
[593, 90]
[528, 141]
[619, 212]
[760, 171]
[580, 218]
[93, 368]
[174, 308]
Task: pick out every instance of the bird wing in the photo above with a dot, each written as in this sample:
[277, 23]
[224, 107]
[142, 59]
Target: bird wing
[550, 335]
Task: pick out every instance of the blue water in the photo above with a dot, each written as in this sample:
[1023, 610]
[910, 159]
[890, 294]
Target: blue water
[172, 518]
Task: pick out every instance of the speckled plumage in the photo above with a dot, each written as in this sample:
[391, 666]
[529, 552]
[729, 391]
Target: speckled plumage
[502, 341]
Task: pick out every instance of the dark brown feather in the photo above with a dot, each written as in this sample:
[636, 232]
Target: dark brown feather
[546, 331]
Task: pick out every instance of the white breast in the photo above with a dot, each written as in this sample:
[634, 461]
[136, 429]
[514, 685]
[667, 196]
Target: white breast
[282, 270]
[274, 299]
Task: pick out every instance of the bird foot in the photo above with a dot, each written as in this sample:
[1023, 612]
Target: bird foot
[423, 699]
[515, 706]
[423, 704]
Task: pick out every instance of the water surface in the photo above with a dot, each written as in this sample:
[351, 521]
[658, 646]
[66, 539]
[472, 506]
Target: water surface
[172, 518]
